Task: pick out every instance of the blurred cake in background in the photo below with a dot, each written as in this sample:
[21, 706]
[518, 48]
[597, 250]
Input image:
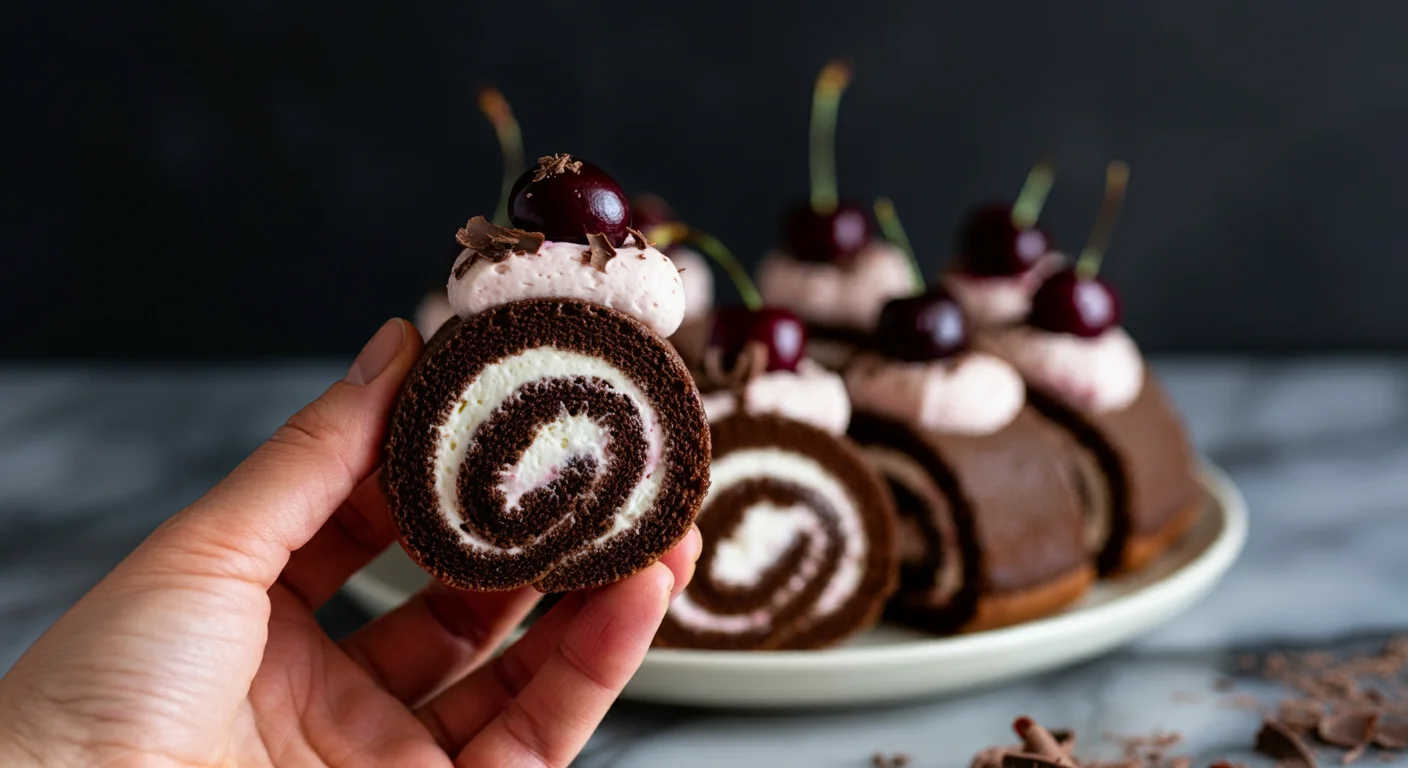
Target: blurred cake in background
[657, 220]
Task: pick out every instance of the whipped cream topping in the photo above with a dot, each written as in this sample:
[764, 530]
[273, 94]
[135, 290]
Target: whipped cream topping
[973, 394]
[556, 443]
[698, 281]
[829, 295]
[641, 282]
[811, 394]
[779, 526]
[1098, 374]
[432, 312]
[1001, 300]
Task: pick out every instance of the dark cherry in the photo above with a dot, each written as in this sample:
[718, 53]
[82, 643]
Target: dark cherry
[650, 211]
[783, 332]
[990, 245]
[568, 206]
[916, 329]
[834, 237]
[1069, 303]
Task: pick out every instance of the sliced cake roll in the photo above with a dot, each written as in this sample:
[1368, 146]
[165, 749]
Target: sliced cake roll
[798, 531]
[992, 523]
[550, 435]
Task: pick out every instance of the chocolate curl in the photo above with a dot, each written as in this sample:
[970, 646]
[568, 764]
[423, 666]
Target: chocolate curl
[751, 363]
[1039, 741]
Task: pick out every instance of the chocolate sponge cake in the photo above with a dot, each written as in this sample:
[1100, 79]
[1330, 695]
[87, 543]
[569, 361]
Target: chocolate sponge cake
[550, 436]
[798, 542]
[991, 526]
[552, 442]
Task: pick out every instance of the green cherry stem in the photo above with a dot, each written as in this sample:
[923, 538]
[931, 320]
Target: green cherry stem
[1032, 198]
[678, 232]
[826, 103]
[495, 107]
[894, 232]
[1116, 179]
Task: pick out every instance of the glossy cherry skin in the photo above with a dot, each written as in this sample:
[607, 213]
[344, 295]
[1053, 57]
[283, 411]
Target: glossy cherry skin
[917, 329]
[1069, 303]
[835, 237]
[568, 206]
[990, 245]
[784, 334]
[650, 211]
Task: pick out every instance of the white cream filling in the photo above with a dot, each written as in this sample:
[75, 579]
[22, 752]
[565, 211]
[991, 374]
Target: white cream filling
[559, 441]
[765, 532]
[738, 466]
[494, 387]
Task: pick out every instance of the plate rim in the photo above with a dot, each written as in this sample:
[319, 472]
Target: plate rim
[1206, 569]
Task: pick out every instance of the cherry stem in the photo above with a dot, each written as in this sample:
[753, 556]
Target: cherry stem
[1032, 198]
[826, 103]
[894, 232]
[678, 232]
[1116, 179]
[495, 107]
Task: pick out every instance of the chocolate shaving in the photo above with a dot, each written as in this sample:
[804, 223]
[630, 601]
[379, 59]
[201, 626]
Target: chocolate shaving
[1392, 734]
[897, 760]
[1282, 744]
[1039, 741]
[1302, 715]
[1029, 760]
[1348, 730]
[639, 237]
[493, 242]
[599, 251]
[556, 165]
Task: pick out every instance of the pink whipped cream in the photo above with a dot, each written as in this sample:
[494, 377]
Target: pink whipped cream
[828, 295]
[975, 394]
[811, 394]
[1105, 373]
[643, 283]
[432, 313]
[698, 281]
[993, 301]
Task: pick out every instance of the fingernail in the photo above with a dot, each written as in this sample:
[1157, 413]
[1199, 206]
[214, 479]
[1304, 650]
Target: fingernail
[698, 543]
[377, 354]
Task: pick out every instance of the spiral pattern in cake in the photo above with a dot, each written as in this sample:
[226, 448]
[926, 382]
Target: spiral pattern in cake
[553, 442]
[798, 542]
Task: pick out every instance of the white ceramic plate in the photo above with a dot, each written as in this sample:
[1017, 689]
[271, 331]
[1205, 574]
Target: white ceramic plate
[891, 664]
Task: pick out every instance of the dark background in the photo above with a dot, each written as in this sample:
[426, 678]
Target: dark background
[256, 178]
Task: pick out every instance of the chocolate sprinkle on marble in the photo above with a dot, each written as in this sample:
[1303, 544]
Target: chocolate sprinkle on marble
[555, 165]
[641, 242]
[1282, 744]
[1029, 760]
[493, 242]
[599, 252]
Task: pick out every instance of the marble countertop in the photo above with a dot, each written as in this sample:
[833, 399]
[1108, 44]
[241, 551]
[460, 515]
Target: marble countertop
[94, 457]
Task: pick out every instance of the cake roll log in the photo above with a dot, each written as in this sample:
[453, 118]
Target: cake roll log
[551, 442]
[1146, 480]
[992, 526]
[799, 542]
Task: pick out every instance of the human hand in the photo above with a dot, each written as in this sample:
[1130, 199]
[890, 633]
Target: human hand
[201, 649]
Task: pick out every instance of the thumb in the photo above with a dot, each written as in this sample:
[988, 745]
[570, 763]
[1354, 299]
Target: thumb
[282, 494]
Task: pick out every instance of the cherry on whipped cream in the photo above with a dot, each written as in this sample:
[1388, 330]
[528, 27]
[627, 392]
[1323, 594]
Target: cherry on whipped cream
[990, 244]
[1069, 302]
[829, 236]
[782, 334]
[567, 199]
[916, 329]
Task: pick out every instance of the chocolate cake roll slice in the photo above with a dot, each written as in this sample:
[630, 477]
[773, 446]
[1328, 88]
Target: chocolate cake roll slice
[552, 442]
[798, 542]
[991, 526]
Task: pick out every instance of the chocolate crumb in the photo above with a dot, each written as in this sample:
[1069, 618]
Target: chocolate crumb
[493, 242]
[1392, 734]
[1226, 764]
[897, 760]
[1348, 730]
[555, 165]
[1029, 760]
[599, 251]
[640, 256]
[681, 269]
[1301, 715]
[1277, 741]
[640, 241]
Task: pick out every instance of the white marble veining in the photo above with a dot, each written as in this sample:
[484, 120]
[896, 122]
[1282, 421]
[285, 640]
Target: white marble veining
[92, 458]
